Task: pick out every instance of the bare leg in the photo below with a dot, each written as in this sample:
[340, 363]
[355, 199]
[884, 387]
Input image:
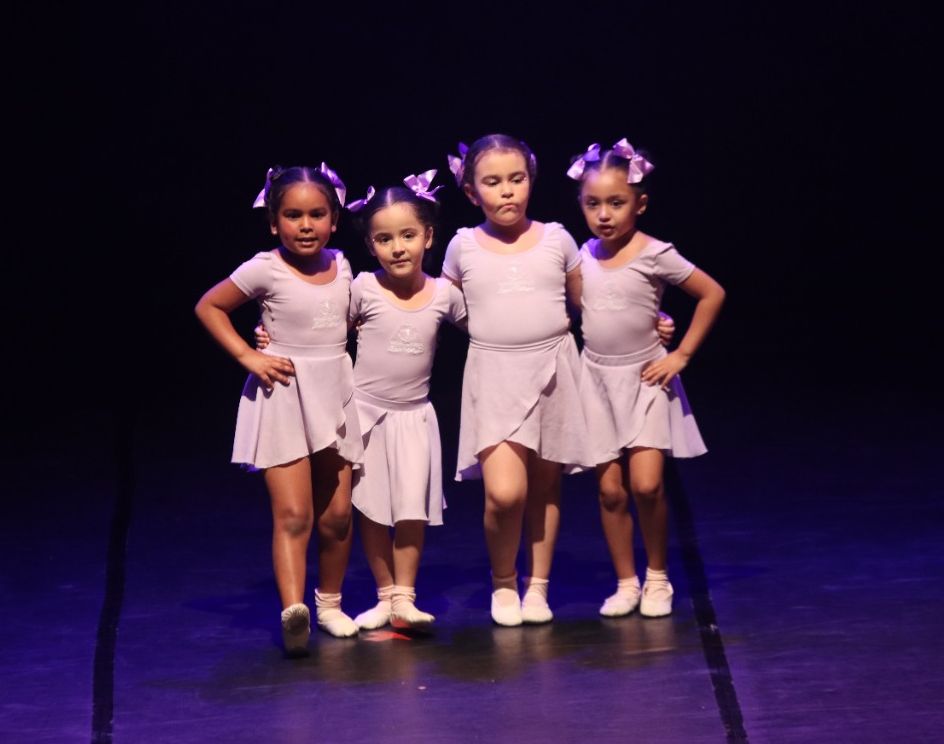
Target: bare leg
[331, 480]
[505, 473]
[616, 518]
[542, 515]
[378, 548]
[407, 548]
[290, 493]
[618, 529]
[542, 522]
[645, 482]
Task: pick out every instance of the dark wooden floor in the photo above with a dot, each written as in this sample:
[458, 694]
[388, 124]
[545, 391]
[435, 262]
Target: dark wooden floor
[809, 605]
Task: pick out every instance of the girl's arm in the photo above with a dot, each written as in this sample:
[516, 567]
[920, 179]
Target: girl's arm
[573, 288]
[213, 310]
[710, 297]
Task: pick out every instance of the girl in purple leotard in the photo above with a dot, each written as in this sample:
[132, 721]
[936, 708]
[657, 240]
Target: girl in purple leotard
[522, 420]
[398, 310]
[297, 421]
[629, 384]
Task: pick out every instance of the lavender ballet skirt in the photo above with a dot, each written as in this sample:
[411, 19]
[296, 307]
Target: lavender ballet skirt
[624, 412]
[401, 474]
[529, 395]
[313, 412]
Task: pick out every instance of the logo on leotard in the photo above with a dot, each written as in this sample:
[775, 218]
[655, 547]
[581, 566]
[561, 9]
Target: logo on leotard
[515, 280]
[406, 341]
[610, 299]
[327, 315]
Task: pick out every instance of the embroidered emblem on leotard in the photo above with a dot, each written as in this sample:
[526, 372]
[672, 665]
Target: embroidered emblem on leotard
[610, 298]
[406, 341]
[327, 315]
[515, 280]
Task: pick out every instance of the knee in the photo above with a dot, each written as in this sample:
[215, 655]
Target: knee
[335, 522]
[647, 490]
[294, 522]
[504, 499]
[613, 498]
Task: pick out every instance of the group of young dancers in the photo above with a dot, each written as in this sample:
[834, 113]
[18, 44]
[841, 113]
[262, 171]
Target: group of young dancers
[329, 434]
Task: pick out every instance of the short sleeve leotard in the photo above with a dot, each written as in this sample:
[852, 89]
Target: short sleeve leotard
[522, 371]
[308, 324]
[620, 307]
[401, 475]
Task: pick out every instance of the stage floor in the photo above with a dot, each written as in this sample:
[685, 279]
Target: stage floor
[808, 607]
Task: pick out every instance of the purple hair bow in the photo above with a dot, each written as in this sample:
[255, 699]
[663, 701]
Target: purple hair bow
[339, 188]
[457, 162]
[590, 156]
[261, 198]
[419, 185]
[639, 167]
[359, 204]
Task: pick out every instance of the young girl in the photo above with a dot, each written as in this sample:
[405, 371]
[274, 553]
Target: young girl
[398, 311]
[522, 421]
[630, 386]
[297, 422]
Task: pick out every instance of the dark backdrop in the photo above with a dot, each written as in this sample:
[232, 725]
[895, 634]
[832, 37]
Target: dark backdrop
[793, 147]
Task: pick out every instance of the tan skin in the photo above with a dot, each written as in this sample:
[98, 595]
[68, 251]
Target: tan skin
[612, 207]
[315, 490]
[520, 487]
[398, 240]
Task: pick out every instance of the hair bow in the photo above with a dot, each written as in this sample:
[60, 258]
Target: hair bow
[639, 167]
[457, 162]
[261, 198]
[591, 155]
[359, 204]
[339, 188]
[419, 185]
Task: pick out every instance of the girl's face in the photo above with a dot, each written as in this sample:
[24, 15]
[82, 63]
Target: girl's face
[610, 205]
[501, 186]
[304, 222]
[399, 240]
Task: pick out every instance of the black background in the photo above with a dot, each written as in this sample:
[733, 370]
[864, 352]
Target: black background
[794, 150]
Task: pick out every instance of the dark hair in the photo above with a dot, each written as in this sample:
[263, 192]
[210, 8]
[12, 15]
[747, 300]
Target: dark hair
[282, 179]
[609, 159]
[496, 142]
[426, 211]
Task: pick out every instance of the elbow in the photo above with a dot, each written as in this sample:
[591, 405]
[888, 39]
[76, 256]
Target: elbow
[720, 295]
[200, 309]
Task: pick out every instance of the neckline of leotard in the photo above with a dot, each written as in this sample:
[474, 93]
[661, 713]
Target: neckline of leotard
[544, 225]
[630, 262]
[380, 291]
[288, 267]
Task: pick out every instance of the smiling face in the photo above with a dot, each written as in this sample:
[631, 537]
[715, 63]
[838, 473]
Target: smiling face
[610, 205]
[501, 186]
[399, 240]
[304, 222]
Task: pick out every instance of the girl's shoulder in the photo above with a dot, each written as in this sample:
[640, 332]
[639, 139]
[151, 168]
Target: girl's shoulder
[268, 257]
[654, 246]
[463, 236]
[364, 280]
[263, 261]
[344, 267]
[587, 249]
[555, 232]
